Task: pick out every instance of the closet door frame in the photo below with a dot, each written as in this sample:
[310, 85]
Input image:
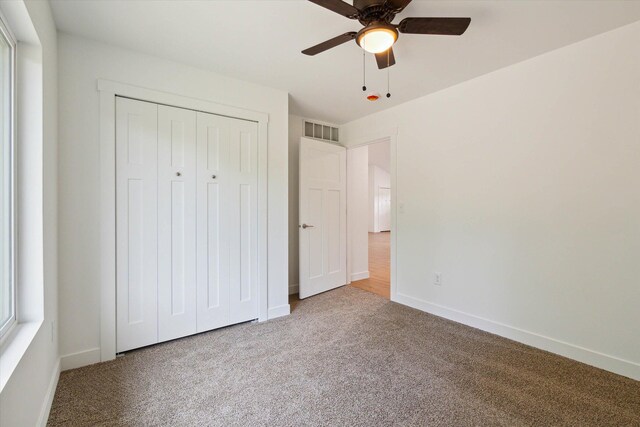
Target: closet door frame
[108, 91]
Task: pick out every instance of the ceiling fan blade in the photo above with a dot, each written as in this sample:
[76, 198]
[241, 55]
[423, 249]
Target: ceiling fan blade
[339, 7]
[397, 5]
[336, 41]
[385, 61]
[444, 26]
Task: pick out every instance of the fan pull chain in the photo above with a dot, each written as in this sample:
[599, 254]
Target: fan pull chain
[388, 72]
[364, 75]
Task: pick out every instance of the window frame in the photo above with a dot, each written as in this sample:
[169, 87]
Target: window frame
[9, 325]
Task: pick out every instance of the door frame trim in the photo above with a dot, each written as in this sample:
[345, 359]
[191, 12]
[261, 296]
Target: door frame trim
[390, 134]
[108, 90]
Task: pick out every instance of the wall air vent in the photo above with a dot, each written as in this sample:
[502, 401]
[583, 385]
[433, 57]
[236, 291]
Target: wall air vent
[320, 131]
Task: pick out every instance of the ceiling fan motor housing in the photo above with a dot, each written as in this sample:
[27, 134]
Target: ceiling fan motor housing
[364, 4]
[373, 11]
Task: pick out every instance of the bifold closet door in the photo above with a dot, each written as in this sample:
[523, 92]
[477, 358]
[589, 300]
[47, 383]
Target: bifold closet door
[187, 222]
[227, 221]
[176, 222]
[136, 224]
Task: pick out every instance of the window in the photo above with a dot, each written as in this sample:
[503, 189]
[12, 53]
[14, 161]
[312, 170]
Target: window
[7, 277]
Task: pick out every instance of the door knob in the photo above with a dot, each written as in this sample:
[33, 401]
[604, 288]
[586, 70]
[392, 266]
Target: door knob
[178, 174]
[213, 177]
[306, 226]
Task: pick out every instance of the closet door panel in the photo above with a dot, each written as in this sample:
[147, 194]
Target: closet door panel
[242, 206]
[213, 221]
[136, 224]
[177, 222]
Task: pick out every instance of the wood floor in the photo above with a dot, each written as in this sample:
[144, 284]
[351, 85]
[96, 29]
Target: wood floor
[379, 281]
[294, 299]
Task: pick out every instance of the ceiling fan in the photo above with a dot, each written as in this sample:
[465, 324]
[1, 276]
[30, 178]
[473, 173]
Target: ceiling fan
[379, 33]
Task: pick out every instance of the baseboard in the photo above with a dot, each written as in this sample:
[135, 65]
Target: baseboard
[294, 289]
[359, 276]
[51, 392]
[279, 311]
[581, 354]
[80, 359]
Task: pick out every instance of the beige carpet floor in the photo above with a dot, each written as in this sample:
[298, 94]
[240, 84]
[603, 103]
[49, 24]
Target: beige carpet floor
[344, 358]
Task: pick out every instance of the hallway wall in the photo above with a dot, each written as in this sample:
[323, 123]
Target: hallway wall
[357, 207]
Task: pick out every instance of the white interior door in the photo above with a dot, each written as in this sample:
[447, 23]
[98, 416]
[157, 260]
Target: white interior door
[322, 228]
[384, 208]
[176, 222]
[136, 225]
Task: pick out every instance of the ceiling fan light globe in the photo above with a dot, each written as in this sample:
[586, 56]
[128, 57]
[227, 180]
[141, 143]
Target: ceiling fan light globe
[377, 39]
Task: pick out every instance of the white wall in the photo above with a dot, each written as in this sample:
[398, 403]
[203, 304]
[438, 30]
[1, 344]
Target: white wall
[81, 63]
[520, 187]
[26, 397]
[295, 133]
[378, 177]
[357, 200]
[380, 154]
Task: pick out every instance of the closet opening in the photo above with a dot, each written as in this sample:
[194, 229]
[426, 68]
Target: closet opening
[183, 212]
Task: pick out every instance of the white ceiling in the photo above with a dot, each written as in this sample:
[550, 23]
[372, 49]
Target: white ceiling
[260, 41]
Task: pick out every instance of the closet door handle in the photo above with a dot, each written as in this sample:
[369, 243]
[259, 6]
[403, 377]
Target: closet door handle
[306, 226]
[213, 177]
[178, 174]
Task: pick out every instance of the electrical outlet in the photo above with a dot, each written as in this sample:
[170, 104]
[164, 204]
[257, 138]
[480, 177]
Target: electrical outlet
[437, 279]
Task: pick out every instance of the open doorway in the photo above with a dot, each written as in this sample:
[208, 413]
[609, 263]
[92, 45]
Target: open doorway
[369, 207]
[346, 217]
